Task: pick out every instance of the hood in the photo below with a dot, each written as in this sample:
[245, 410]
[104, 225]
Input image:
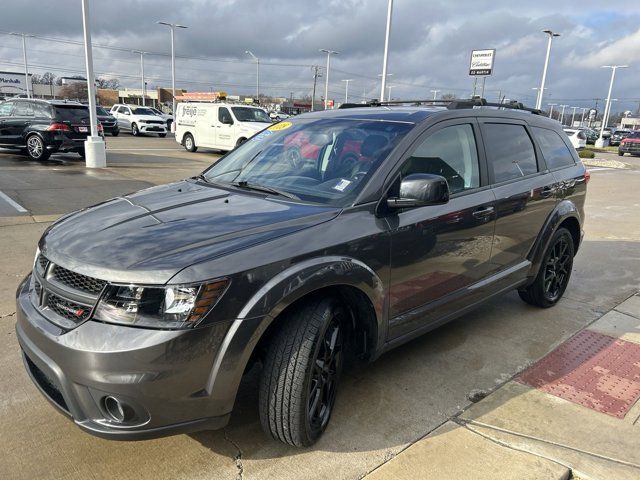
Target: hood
[108, 118]
[151, 235]
[148, 117]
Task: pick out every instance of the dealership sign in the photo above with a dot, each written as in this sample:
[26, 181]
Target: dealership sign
[482, 62]
[11, 82]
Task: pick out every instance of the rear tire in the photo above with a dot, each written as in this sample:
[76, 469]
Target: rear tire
[301, 371]
[36, 148]
[189, 143]
[554, 274]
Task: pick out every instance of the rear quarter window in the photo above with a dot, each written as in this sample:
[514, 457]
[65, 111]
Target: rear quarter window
[555, 151]
[510, 152]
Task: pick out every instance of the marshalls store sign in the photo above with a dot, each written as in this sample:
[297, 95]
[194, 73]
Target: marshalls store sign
[482, 62]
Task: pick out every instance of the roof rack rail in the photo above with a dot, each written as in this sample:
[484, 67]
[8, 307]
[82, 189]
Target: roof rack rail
[450, 104]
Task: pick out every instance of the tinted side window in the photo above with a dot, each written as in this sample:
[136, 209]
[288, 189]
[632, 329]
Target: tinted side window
[5, 109]
[23, 109]
[510, 151]
[41, 110]
[224, 115]
[555, 151]
[451, 153]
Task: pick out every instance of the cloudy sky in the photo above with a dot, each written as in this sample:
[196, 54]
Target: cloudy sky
[430, 45]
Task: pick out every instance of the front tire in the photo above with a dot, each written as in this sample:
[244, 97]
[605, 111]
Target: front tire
[162, 135]
[36, 149]
[115, 133]
[620, 154]
[555, 271]
[240, 141]
[189, 143]
[134, 130]
[301, 372]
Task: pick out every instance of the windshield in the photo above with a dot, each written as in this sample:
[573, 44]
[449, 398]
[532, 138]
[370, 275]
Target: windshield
[143, 111]
[246, 114]
[101, 111]
[323, 161]
[72, 113]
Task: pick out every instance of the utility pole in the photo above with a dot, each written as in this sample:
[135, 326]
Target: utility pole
[24, 58]
[316, 74]
[551, 110]
[573, 115]
[546, 66]
[248, 52]
[385, 57]
[435, 94]
[562, 114]
[346, 89]
[141, 73]
[326, 78]
[607, 108]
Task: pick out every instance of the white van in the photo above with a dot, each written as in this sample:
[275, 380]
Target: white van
[217, 125]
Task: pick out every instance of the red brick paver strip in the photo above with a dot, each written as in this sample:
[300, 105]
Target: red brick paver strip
[591, 369]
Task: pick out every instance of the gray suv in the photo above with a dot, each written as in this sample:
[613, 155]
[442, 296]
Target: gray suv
[142, 313]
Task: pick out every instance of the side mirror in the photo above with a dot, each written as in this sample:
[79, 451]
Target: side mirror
[126, 113]
[420, 190]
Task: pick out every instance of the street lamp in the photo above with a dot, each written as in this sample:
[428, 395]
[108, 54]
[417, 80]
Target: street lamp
[573, 115]
[173, 27]
[389, 87]
[546, 65]
[551, 110]
[326, 80]
[94, 149]
[605, 117]
[385, 57]
[584, 110]
[24, 57]
[435, 94]
[141, 73]
[346, 88]
[562, 114]
[248, 52]
[384, 82]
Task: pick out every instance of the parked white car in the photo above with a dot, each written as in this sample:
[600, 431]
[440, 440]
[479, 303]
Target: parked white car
[139, 120]
[277, 116]
[168, 118]
[577, 137]
[217, 125]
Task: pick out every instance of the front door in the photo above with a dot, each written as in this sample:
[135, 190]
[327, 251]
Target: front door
[439, 250]
[5, 115]
[225, 135]
[20, 119]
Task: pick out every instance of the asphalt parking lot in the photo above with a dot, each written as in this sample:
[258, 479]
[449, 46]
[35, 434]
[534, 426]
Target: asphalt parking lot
[382, 408]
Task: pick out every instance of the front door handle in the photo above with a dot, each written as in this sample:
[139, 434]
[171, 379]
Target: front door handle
[547, 191]
[483, 212]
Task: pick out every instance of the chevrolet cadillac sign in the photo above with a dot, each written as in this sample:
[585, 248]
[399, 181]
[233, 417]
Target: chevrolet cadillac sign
[482, 62]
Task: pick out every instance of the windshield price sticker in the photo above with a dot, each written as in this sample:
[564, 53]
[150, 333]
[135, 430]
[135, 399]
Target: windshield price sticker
[280, 126]
[342, 184]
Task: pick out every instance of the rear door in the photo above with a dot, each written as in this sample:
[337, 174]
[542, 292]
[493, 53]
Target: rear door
[207, 126]
[124, 117]
[524, 189]
[440, 250]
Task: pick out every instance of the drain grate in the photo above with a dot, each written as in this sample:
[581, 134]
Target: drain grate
[591, 369]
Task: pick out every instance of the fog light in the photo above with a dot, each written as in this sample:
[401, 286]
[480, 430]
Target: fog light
[114, 408]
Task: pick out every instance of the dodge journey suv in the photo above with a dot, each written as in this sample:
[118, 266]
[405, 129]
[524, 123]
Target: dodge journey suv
[142, 313]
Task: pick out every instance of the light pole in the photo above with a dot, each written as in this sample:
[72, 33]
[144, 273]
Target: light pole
[609, 112]
[562, 114]
[388, 75]
[326, 80]
[584, 110]
[173, 27]
[551, 110]
[573, 115]
[435, 94]
[95, 154]
[605, 118]
[141, 73]
[546, 65]
[385, 57]
[248, 52]
[389, 87]
[24, 58]
[346, 88]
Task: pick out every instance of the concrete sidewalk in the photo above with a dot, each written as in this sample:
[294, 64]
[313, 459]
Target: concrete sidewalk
[526, 433]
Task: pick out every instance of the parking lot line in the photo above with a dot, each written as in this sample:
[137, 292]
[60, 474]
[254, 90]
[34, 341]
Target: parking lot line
[12, 202]
[139, 149]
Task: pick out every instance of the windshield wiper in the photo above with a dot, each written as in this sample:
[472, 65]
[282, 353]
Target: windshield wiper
[264, 188]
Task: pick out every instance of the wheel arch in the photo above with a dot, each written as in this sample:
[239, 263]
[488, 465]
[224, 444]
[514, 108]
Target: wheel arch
[354, 282]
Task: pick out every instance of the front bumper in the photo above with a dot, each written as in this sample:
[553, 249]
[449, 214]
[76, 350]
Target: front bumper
[153, 128]
[161, 376]
[633, 148]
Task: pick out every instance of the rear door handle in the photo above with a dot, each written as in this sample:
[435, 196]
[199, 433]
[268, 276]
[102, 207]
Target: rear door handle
[547, 191]
[483, 212]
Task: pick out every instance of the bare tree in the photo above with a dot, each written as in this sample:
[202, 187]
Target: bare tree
[75, 91]
[449, 96]
[109, 84]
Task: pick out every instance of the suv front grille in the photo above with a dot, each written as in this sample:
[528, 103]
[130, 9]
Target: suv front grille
[64, 297]
[155, 122]
[78, 281]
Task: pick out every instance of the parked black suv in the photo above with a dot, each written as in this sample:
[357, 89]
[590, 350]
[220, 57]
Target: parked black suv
[42, 127]
[142, 313]
[108, 121]
[617, 136]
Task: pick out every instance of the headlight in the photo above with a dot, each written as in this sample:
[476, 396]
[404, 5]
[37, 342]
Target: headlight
[171, 307]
